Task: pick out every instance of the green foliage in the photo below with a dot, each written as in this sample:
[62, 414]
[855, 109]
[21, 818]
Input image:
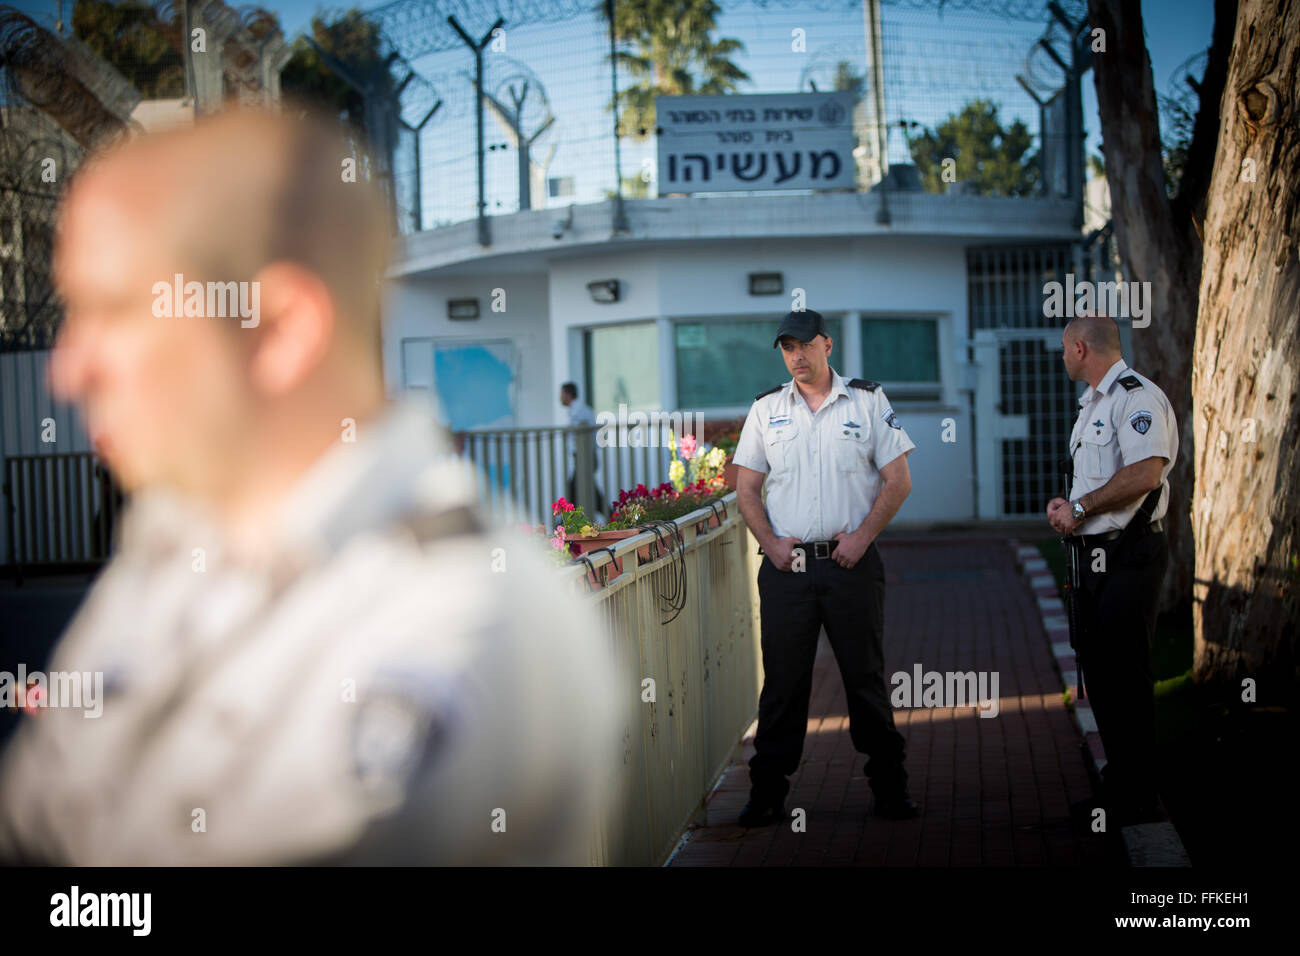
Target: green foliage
[996, 159]
[141, 41]
[355, 41]
[1178, 117]
[674, 54]
[634, 187]
[849, 80]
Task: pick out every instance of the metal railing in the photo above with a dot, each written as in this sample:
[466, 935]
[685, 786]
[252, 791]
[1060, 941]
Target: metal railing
[61, 511]
[700, 646]
[520, 471]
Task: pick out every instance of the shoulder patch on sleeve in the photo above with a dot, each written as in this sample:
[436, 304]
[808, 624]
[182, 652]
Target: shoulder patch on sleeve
[769, 391]
[1130, 382]
[863, 383]
[1141, 421]
[399, 727]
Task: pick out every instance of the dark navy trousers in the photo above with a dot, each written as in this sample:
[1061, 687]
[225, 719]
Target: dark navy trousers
[795, 606]
[1117, 610]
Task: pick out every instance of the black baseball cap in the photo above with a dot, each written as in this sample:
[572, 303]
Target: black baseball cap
[804, 326]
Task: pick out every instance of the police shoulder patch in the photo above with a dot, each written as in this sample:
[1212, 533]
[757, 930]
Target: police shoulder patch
[1130, 382]
[1141, 421]
[863, 383]
[776, 388]
[400, 724]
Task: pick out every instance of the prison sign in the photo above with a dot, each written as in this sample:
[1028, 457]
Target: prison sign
[759, 142]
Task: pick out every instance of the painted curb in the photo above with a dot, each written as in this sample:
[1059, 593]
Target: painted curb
[1147, 844]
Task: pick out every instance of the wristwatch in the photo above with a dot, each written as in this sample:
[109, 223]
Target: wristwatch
[1076, 510]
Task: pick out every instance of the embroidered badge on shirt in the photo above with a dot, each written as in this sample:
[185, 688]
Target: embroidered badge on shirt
[1140, 421]
[398, 727]
[891, 419]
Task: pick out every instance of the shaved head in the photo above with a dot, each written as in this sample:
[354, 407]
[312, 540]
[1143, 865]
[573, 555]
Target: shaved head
[276, 204]
[246, 187]
[1100, 332]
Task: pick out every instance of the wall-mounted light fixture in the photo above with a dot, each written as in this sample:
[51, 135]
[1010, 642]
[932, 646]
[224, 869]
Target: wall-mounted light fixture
[604, 290]
[462, 308]
[766, 283]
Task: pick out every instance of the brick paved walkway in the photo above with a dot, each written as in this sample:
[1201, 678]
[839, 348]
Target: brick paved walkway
[994, 791]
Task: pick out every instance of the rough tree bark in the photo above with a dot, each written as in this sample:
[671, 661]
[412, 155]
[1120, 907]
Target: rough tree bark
[1246, 367]
[1158, 239]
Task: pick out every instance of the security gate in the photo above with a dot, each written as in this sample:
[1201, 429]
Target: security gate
[1025, 405]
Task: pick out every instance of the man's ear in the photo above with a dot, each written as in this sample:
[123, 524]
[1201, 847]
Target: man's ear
[294, 322]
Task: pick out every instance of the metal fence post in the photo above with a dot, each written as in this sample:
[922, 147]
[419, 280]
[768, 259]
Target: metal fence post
[584, 464]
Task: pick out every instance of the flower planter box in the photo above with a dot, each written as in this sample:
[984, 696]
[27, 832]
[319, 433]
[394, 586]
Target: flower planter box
[602, 539]
[607, 539]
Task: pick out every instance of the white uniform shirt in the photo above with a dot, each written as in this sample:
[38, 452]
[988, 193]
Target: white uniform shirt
[580, 413]
[1125, 419]
[823, 469]
[355, 696]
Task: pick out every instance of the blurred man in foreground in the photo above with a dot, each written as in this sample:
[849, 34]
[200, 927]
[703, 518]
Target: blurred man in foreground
[305, 649]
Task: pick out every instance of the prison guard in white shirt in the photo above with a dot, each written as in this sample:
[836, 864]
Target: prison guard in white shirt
[1124, 420]
[824, 469]
[376, 689]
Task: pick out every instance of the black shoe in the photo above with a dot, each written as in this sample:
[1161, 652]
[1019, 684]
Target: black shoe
[897, 807]
[759, 814]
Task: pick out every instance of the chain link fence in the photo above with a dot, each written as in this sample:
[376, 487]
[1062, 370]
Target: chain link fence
[549, 137]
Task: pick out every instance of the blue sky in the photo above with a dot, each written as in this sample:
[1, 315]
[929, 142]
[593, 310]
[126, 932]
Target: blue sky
[567, 57]
[1175, 28]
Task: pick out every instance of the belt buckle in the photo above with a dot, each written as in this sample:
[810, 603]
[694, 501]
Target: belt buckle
[821, 549]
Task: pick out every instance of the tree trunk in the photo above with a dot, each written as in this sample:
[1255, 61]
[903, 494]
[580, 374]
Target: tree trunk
[1158, 241]
[1246, 366]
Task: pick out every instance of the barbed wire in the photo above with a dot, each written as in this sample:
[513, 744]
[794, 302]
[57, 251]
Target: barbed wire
[417, 28]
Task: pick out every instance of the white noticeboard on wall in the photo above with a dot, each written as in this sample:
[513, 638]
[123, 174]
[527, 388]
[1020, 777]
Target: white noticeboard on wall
[764, 141]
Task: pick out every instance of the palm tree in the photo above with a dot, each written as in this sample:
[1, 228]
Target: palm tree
[674, 54]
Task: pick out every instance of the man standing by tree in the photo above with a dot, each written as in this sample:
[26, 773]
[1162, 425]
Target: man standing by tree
[1123, 446]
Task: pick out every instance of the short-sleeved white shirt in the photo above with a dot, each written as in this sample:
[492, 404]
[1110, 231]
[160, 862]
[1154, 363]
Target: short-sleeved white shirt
[1124, 420]
[823, 469]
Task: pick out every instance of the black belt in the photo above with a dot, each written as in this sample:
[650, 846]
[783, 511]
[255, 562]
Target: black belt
[1092, 539]
[818, 549]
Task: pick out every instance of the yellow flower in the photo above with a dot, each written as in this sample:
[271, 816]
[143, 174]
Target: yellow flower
[587, 530]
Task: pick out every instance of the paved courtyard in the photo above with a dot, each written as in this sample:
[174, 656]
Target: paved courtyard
[994, 790]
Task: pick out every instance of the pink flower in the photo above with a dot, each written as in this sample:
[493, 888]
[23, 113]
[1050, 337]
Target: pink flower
[688, 446]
